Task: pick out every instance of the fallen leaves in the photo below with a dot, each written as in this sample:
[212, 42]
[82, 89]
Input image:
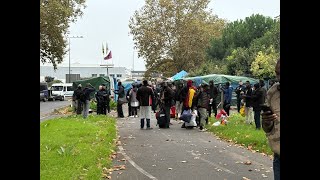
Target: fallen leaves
[248, 163]
[183, 161]
[169, 168]
[245, 178]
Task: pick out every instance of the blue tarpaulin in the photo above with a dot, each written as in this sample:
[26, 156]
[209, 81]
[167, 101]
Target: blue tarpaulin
[180, 75]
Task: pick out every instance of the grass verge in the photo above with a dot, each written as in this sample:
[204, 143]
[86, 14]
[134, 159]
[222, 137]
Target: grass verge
[238, 132]
[74, 148]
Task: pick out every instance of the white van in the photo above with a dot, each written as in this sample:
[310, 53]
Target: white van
[61, 91]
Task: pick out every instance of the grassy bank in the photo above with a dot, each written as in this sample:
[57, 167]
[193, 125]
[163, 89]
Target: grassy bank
[74, 148]
[241, 133]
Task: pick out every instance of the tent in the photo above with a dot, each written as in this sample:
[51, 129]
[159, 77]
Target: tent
[179, 75]
[95, 82]
[221, 79]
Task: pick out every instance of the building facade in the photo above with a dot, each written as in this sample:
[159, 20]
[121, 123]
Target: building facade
[84, 71]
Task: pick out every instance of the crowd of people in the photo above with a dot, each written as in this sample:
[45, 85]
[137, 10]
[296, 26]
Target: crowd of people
[147, 98]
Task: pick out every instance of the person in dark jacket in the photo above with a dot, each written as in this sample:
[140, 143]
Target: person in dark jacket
[121, 94]
[143, 96]
[101, 97]
[179, 100]
[76, 96]
[128, 99]
[213, 92]
[167, 96]
[257, 100]
[227, 92]
[108, 94]
[86, 105]
[248, 103]
[202, 104]
[240, 89]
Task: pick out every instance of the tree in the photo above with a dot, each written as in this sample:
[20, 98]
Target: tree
[239, 62]
[208, 68]
[55, 16]
[241, 33]
[264, 63]
[48, 79]
[173, 35]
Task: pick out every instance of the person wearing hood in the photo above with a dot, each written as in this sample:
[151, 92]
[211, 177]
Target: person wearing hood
[86, 105]
[78, 103]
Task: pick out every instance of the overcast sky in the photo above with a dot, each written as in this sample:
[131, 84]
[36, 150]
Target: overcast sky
[107, 21]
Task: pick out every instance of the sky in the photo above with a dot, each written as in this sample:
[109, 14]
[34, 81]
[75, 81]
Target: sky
[106, 21]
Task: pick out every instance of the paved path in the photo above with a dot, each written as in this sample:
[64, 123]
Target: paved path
[150, 154]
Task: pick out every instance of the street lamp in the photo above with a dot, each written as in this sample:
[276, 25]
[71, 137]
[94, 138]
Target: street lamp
[70, 53]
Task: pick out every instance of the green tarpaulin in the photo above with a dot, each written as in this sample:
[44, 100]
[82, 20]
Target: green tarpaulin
[221, 79]
[95, 82]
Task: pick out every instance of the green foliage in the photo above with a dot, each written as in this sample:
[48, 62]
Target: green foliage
[53, 82]
[238, 132]
[174, 35]
[264, 63]
[113, 105]
[208, 68]
[48, 79]
[239, 62]
[241, 42]
[74, 148]
[55, 17]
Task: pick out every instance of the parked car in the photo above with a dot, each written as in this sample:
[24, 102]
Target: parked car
[43, 91]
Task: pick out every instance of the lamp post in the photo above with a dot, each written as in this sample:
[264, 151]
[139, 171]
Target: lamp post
[70, 55]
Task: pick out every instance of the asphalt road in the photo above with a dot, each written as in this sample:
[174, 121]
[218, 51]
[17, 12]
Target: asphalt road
[178, 153]
[48, 107]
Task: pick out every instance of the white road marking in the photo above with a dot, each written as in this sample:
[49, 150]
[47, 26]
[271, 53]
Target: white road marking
[213, 164]
[135, 165]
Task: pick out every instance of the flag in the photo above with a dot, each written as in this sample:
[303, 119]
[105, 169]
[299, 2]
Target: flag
[109, 56]
[102, 49]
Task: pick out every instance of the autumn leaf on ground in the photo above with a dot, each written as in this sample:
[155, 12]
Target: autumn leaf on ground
[123, 167]
[245, 178]
[248, 163]
[250, 147]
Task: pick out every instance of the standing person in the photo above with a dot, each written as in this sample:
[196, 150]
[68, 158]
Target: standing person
[133, 101]
[108, 94]
[128, 99]
[143, 95]
[263, 89]
[154, 100]
[238, 90]
[187, 95]
[257, 99]
[271, 122]
[179, 100]
[121, 94]
[227, 92]
[213, 94]
[248, 103]
[167, 95]
[86, 105]
[202, 104]
[101, 100]
[77, 94]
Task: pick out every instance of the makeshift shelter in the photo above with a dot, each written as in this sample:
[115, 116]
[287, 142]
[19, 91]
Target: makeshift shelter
[221, 79]
[179, 75]
[95, 82]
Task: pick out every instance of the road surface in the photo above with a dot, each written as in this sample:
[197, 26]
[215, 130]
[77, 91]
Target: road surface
[48, 107]
[179, 153]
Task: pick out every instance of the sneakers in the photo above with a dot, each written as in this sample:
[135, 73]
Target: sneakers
[149, 128]
[131, 116]
[201, 129]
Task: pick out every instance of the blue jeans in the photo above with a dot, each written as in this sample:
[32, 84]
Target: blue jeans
[257, 120]
[276, 167]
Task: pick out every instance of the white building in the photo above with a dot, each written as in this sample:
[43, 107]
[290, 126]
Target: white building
[85, 71]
